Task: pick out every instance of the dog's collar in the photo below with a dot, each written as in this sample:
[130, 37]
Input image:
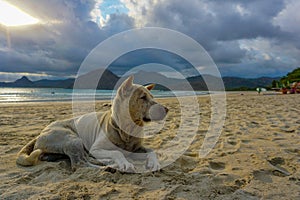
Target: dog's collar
[122, 134]
[114, 125]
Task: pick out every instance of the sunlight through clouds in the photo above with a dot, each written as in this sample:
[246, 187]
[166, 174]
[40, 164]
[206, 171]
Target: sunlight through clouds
[13, 16]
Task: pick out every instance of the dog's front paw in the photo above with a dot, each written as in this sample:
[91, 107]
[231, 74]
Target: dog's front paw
[125, 166]
[152, 162]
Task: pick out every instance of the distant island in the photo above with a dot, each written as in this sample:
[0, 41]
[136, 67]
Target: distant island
[109, 80]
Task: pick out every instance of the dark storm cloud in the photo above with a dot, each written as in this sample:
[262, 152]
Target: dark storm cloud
[145, 56]
[215, 21]
[57, 45]
[223, 26]
[245, 38]
[264, 68]
[227, 52]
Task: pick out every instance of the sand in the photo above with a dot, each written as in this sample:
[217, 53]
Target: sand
[257, 155]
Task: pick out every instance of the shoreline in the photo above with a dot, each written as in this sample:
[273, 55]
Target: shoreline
[109, 99]
[160, 98]
[85, 95]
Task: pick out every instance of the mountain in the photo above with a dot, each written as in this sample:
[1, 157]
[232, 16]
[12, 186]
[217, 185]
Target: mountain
[45, 83]
[161, 82]
[230, 83]
[293, 76]
[86, 81]
[22, 82]
[199, 82]
[110, 81]
[107, 81]
[235, 82]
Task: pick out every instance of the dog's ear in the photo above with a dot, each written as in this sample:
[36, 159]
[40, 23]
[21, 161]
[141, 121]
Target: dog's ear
[126, 86]
[150, 87]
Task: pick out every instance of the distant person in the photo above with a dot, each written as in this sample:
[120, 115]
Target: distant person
[258, 90]
[293, 88]
[284, 90]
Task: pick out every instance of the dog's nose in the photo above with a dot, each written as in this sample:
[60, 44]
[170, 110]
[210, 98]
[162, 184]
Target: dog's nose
[166, 110]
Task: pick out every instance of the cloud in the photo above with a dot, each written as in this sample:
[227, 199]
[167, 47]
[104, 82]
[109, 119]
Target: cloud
[223, 28]
[57, 45]
[117, 23]
[245, 38]
[263, 57]
[149, 56]
[289, 17]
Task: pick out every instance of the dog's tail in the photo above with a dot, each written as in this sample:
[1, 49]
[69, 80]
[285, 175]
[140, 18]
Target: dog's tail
[28, 157]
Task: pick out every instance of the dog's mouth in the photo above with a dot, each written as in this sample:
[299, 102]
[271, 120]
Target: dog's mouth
[156, 113]
[145, 119]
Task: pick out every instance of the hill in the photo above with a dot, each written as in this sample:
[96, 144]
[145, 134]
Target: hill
[293, 76]
[161, 82]
[22, 82]
[110, 81]
[232, 83]
[285, 81]
[45, 83]
[107, 81]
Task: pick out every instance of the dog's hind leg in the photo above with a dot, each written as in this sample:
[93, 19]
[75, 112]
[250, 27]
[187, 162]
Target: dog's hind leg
[74, 148]
[56, 141]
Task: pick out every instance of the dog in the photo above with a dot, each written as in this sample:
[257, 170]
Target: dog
[105, 136]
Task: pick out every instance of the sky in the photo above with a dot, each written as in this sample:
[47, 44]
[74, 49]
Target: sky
[244, 38]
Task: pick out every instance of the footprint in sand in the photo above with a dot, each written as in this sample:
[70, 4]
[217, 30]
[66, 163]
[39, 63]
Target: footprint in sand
[276, 164]
[231, 145]
[217, 165]
[277, 161]
[262, 176]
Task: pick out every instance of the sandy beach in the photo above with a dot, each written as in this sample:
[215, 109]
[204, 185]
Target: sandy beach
[257, 155]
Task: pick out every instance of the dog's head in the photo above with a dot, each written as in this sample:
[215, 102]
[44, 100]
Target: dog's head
[135, 102]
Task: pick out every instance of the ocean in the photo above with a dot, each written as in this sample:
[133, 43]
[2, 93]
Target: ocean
[13, 95]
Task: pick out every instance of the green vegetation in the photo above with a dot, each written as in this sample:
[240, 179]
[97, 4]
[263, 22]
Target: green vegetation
[285, 81]
[293, 76]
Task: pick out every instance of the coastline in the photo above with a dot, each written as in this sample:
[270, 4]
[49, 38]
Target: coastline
[109, 99]
[26, 95]
[257, 155]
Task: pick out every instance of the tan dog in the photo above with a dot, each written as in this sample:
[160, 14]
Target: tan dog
[106, 136]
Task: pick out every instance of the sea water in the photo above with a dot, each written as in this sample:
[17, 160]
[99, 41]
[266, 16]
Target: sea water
[9, 95]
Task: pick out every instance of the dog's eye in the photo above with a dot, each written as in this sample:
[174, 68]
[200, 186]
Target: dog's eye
[144, 97]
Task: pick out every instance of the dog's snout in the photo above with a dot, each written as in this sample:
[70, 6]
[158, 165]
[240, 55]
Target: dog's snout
[157, 112]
